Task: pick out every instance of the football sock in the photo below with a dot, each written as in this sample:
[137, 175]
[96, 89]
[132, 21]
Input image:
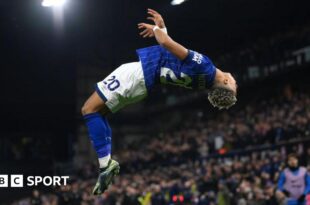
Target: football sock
[104, 161]
[100, 135]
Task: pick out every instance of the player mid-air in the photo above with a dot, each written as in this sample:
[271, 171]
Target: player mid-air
[167, 63]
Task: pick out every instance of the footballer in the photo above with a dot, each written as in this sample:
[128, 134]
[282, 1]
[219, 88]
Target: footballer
[167, 63]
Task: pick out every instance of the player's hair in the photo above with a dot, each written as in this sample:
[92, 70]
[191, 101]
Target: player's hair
[292, 155]
[222, 97]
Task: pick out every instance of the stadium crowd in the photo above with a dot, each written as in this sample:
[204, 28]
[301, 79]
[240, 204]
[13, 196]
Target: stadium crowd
[178, 168]
[244, 180]
[261, 123]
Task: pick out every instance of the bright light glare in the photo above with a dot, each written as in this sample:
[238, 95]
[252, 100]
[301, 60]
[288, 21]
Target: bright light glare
[49, 3]
[177, 2]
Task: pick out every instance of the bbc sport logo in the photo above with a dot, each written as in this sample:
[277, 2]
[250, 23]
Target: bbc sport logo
[17, 181]
[4, 180]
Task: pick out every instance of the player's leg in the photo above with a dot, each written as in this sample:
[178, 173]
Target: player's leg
[100, 134]
[94, 104]
[99, 131]
[124, 86]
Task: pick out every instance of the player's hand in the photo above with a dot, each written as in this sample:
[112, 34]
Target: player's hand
[147, 30]
[280, 196]
[156, 18]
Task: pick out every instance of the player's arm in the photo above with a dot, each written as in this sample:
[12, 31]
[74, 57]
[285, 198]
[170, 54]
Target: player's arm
[307, 189]
[281, 182]
[158, 30]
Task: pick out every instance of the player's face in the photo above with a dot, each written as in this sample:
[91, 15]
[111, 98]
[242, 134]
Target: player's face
[293, 162]
[230, 82]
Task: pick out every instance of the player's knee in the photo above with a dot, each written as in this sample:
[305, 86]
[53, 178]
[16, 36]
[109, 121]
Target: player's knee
[83, 110]
[86, 109]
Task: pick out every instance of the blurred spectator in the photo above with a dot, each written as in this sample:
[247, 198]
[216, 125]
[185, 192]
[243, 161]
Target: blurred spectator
[294, 183]
[36, 198]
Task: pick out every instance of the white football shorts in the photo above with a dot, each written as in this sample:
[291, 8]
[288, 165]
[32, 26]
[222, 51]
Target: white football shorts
[123, 86]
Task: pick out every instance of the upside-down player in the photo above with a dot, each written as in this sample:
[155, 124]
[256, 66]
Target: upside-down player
[166, 63]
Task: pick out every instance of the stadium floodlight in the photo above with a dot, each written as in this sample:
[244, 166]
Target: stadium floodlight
[53, 3]
[177, 2]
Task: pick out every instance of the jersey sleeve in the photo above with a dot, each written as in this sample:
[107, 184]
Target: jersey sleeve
[307, 179]
[281, 182]
[198, 62]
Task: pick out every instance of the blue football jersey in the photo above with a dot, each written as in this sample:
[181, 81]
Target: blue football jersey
[196, 71]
